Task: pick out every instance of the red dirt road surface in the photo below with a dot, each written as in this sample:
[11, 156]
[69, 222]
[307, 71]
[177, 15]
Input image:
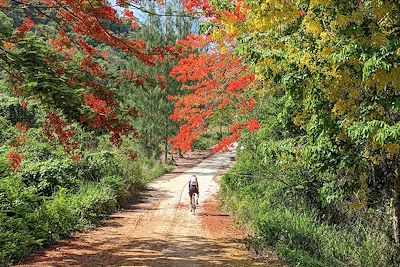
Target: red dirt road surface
[159, 230]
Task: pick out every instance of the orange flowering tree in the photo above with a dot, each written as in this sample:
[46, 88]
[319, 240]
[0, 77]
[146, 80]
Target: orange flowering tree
[49, 52]
[218, 81]
[61, 66]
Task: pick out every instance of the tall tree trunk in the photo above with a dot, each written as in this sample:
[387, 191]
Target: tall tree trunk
[396, 203]
[180, 153]
[166, 139]
[166, 150]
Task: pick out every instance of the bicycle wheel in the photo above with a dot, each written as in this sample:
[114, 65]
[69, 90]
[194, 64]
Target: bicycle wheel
[194, 203]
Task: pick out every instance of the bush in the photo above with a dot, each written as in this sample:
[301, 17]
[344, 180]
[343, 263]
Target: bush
[50, 175]
[16, 198]
[16, 201]
[4, 168]
[68, 212]
[28, 221]
[97, 165]
[38, 149]
[116, 183]
[297, 231]
[153, 169]
[16, 239]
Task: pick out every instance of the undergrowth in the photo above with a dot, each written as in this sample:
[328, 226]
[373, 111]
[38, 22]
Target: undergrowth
[50, 200]
[280, 217]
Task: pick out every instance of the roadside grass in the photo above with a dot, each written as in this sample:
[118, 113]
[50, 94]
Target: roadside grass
[296, 231]
[34, 221]
[44, 203]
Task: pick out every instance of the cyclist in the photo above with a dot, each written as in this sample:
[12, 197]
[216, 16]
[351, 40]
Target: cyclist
[193, 188]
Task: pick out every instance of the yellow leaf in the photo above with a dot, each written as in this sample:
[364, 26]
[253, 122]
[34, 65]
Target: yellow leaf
[392, 148]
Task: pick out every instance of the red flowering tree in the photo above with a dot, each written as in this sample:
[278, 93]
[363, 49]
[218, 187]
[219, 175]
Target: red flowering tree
[62, 67]
[218, 80]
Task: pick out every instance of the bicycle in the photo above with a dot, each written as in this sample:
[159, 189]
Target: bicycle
[194, 201]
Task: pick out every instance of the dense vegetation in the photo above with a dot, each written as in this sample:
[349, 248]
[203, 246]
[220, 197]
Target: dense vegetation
[58, 172]
[53, 195]
[320, 179]
[318, 81]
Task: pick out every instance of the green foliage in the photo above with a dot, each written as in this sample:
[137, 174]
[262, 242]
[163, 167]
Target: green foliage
[32, 56]
[99, 164]
[4, 168]
[50, 175]
[282, 215]
[11, 112]
[69, 212]
[53, 196]
[17, 201]
[28, 221]
[207, 141]
[6, 25]
[16, 198]
[153, 169]
[115, 183]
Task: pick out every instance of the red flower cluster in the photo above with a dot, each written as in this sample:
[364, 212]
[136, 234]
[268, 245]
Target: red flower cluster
[15, 157]
[27, 25]
[193, 5]
[129, 75]
[131, 154]
[217, 79]
[23, 105]
[162, 81]
[97, 105]
[55, 129]
[253, 125]
[217, 82]
[22, 130]
[14, 160]
[4, 4]
[224, 144]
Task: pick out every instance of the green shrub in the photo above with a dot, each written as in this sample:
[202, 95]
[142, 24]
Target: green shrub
[69, 212]
[4, 168]
[154, 170]
[298, 257]
[16, 201]
[38, 149]
[16, 239]
[50, 175]
[26, 225]
[116, 183]
[97, 165]
[297, 231]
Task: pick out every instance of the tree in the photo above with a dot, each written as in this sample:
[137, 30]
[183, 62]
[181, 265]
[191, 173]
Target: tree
[56, 45]
[335, 66]
[150, 100]
[218, 80]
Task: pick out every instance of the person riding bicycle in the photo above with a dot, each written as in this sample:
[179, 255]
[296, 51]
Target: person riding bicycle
[193, 188]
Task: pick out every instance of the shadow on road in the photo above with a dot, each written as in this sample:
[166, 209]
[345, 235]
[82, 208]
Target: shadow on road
[176, 251]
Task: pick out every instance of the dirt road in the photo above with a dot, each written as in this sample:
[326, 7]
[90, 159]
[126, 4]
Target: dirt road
[160, 231]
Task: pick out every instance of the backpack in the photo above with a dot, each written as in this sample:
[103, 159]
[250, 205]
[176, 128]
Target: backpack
[193, 181]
